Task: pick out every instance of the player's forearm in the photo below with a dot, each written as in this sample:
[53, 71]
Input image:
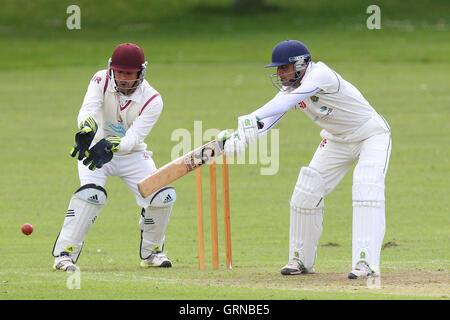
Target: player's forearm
[269, 123]
[132, 138]
[93, 99]
[128, 142]
[283, 102]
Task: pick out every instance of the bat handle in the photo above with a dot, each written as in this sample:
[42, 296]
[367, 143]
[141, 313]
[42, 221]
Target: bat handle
[260, 126]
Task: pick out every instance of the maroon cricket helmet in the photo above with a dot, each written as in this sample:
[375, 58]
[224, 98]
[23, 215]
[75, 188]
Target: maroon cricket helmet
[127, 57]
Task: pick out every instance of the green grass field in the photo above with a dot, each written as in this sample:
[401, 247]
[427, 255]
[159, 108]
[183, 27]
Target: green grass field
[206, 59]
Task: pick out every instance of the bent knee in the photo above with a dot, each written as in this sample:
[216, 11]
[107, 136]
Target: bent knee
[164, 197]
[309, 190]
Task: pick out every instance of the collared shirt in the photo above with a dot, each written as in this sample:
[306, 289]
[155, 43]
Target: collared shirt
[129, 117]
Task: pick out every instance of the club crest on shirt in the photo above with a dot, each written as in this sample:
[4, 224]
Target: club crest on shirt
[314, 98]
[326, 111]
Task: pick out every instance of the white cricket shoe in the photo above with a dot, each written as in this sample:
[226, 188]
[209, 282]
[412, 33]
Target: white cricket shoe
[294, 267]
[361, 271]
[64, 262]
[157, 259]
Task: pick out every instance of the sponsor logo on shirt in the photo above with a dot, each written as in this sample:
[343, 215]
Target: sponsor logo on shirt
[326, 111]
[300, 106]
[118, 129]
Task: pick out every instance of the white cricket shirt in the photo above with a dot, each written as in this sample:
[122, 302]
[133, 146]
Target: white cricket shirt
[333, 103]
[129, 117]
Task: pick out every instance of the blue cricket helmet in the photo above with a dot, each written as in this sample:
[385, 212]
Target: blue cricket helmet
[289, 51]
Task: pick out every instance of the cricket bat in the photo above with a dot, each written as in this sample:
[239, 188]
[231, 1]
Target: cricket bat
[182, 166]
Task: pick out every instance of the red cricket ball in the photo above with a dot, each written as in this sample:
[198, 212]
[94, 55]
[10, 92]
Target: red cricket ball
[27, 229]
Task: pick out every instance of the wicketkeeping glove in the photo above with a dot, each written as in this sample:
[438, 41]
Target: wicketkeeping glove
[84, 137]
[102, 152]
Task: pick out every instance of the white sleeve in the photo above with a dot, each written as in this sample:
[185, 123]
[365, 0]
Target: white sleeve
[142, 126]
[324, 78]
[269, 123]
[281, 103]
[93, 99]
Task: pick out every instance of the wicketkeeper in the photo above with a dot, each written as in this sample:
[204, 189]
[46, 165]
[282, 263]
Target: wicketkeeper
[119, 110]
[351, 131]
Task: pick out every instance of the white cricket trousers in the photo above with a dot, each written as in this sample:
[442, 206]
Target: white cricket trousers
[333, 160]
[130, 168]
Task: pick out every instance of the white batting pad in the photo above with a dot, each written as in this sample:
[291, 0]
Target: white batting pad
[368, 182]
[84, 206]
[369, 223]
[306, 216]
[309, 189]
[154, 221]
[304, 234]
[368, 232]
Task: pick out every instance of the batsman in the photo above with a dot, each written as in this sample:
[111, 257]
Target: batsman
[352, 131]
[119, 110]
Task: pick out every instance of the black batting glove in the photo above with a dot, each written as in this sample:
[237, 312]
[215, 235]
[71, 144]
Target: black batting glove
[84, 137]
[102, 152]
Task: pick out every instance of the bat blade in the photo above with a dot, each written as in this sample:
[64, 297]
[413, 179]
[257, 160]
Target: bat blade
[179, 167]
